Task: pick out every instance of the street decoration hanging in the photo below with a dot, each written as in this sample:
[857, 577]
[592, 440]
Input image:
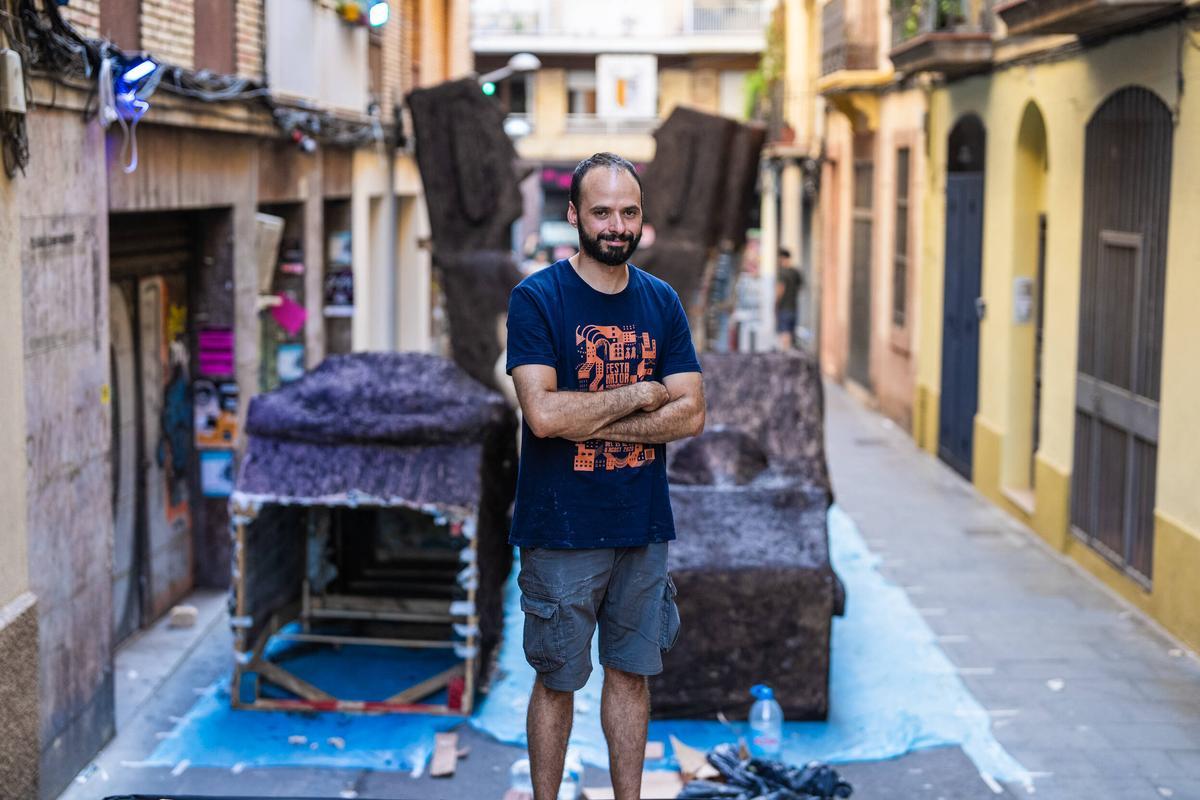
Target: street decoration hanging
[373, 13]
[125, 85]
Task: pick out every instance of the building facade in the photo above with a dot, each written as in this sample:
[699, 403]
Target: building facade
[1004, 258]
[169, 267]
[1056, 279]
[609, 74]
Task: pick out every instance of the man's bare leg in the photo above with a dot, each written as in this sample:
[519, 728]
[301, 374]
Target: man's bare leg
[624, 714]
[548, 727]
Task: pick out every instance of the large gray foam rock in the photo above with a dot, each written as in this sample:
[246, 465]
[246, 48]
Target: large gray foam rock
[756, 591]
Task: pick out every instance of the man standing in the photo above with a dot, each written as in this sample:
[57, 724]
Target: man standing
[787, 292]
[606, 374]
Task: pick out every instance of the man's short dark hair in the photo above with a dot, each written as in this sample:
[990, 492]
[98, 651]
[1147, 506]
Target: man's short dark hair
[610, 160]
[785, 253]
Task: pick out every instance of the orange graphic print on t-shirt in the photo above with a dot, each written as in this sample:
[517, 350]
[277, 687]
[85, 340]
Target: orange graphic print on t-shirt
[612, 356]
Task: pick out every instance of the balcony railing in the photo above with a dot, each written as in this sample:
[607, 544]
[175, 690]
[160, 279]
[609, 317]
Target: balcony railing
[700, 17]
[507, 23]
[1082, 17]
[949, 36]
[728, 17]
[849, 36]
[595, 123]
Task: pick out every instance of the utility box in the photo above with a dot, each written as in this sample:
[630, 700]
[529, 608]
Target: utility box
[12, 83]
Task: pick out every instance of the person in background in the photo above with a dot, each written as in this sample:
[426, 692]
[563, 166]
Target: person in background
[787, 292]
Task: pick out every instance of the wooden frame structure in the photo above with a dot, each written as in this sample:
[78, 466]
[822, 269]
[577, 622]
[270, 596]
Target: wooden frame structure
[459, 680]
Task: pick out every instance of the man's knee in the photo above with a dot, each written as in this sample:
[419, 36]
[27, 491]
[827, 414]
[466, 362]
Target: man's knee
[552, 694]
[623, 679]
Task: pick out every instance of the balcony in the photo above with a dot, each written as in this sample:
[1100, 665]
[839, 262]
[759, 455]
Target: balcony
[619, 26]
[609, 125]
[1080, 17]
[849, 37]
[953, 37]
[727, 16]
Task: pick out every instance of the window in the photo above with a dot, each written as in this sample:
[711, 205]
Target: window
[514, 94]
[214, 37]
[581, 91]
[120, 21]
[900, 250]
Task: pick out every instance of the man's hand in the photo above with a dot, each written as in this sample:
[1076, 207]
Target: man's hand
[657, 395]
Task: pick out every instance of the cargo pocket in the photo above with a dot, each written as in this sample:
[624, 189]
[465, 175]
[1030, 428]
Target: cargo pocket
[543, 633]
[670, 617]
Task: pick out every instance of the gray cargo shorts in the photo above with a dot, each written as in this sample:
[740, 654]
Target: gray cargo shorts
[565, 593]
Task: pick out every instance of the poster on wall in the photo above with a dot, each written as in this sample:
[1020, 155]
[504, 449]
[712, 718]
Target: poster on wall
[339, 289]
[627, 86]
[216, 473]
[215, 412]
[216, 352]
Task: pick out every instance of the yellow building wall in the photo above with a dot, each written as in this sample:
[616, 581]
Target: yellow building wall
[1066, 93]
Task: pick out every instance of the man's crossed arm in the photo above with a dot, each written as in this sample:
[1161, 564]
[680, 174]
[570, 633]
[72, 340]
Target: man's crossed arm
[645, 412]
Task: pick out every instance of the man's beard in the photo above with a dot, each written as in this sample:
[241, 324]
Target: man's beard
[612, 251]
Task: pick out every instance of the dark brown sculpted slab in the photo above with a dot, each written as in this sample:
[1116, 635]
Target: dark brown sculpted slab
[469, 171]
[751, 562]
[699, 194]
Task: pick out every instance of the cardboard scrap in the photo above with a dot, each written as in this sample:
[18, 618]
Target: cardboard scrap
[656, 785]
[183, 616]
[445, 755]
[654, 751]
[693, 764]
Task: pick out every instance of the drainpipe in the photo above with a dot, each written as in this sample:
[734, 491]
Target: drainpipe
[391, 316]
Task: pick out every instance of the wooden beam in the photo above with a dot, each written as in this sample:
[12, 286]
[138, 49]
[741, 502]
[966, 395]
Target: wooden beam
[426, 687]
[281, 677]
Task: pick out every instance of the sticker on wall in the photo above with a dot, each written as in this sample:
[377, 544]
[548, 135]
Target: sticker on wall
[289, 361]
[215, 417]
[339, 289]
[289, 314]
[216, 352]
[216, 473]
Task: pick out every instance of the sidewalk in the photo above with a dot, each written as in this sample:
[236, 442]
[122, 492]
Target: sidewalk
[1083, 690]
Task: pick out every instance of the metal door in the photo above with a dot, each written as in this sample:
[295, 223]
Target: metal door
[961, 310]
[1038, 341]
[859, 365]
[1126, 200]
[126, 568]
[153, 457]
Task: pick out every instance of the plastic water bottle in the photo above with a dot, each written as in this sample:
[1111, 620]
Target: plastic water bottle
[766, 724]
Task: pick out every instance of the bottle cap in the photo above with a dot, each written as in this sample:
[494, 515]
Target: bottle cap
[762, 692]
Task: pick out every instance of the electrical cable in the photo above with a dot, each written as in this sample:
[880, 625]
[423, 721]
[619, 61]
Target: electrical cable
[55, 47]
[13, 133]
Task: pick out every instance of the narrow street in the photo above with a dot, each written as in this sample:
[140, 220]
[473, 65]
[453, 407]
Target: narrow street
[1069, 675]
[1090, 696]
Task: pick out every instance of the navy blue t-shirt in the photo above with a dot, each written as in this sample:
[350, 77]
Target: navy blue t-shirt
[596, 493]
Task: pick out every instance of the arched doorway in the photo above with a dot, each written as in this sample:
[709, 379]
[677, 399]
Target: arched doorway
[1029, 276]
[1126, 201]
[962, 305]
